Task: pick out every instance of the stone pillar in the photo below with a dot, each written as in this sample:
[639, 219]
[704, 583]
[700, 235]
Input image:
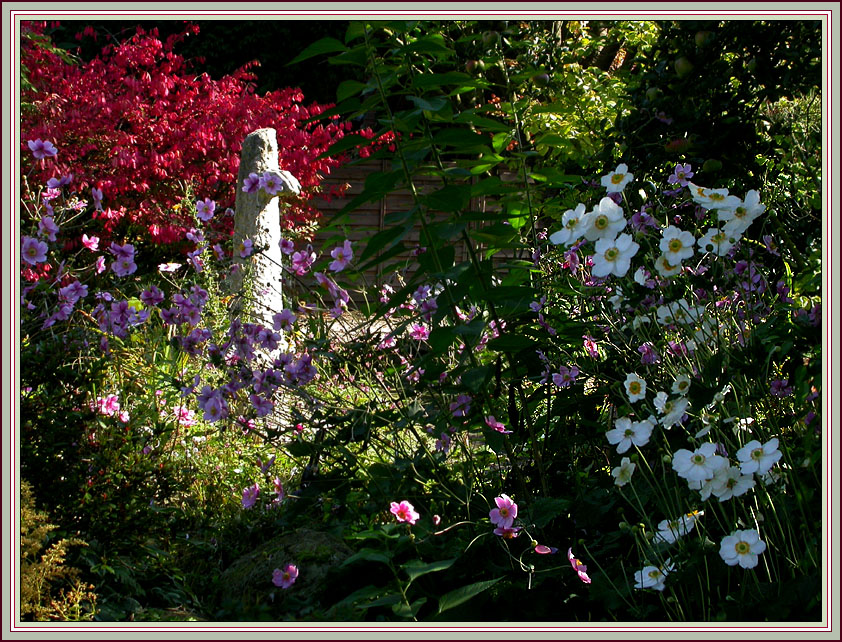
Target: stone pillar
[258, 218]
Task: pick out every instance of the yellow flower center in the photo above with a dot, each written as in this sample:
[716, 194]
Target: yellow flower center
[634, 387]
[617, 178]
[601, 222]
[742, 548]
[676, 245]
[698, 459]
[611, 254]
[757, 453]
[740, 212]
[629, 433]
[654, 573]
[716, 197]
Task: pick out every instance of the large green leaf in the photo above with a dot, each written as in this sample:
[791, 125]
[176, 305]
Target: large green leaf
[417, 568]
[323, 46]
[451, 198]
[461, 595]
[475, 378]
[348, 88]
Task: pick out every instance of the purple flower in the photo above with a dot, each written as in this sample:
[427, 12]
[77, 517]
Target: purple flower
[287, 246]
[250, 496]
[781, 388]
[271, 183]
[41, 148]
[461, 407]
[505, 513]
[73, 292]
[262, 406]
[283, 320]
[565, 377]
[122, 251]
[285, 578]
[197, 236]
[681, 175]
[33, 251]
[303, 260]
[123, 267]
[96, 194]
[492, 423]
[90, 242]
[590, 346]
[648, 355]
[205, 209]
[420, 332]
[47, 227]
[251, 184]
[58, 183]
[245, 248]
[342, 256]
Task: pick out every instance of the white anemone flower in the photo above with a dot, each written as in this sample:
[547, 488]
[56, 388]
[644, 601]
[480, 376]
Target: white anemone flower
[676, 244]
[701, 464]
[635, 387]
[681, 385]
[671, 530]
[673, 410]
[625, 434]
[653, 577]
[757, 458]
[742, 547]
[704, 486]
[617, 180]
[729, 482]
[665, 268]
[605, 221]
[660, 401]
[613, 257]
[713, 199]
[622, 474]
[740, 217]
[718, 242]
[572, 227]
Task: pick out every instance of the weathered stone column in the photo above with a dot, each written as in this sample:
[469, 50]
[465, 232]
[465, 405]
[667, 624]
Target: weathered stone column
[258, 219]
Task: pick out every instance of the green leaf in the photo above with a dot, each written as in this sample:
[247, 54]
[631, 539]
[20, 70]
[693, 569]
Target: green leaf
[348, 88]
[384, 239]
[451, 198]
[441, 337]
[416, 568]
[475, 378]
[323, 46]
[367, 555]
[463, 139]
[407, 611]
[432, 44]
[355, 30]
[461, 595]
[546, 509]
[481, 122]
[349, 141]
[434, 104]
[501, 140]
[299, 449]
[386, 600]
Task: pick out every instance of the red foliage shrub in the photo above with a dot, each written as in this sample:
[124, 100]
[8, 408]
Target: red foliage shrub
[137, 124]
